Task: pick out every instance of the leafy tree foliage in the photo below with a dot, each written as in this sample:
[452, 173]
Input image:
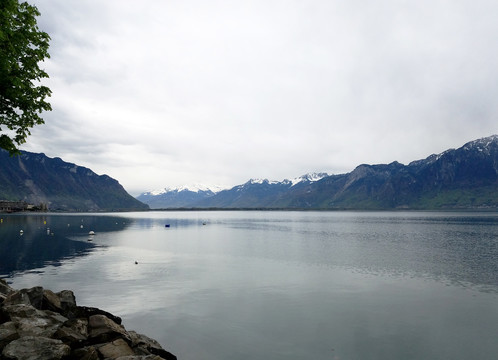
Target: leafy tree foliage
[22, 47]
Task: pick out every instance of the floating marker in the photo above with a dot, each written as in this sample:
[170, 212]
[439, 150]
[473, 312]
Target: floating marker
[167, 225]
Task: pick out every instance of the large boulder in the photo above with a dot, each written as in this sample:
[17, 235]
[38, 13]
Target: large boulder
[33, 322]
[87, 312]
[36, 348]
[8, 333]
[143, 344]
[67, 303]
[85, 353]
[102, 329]
[74, 332]
[5, 289]
[140, 357]
[37, 297]
[115, 349]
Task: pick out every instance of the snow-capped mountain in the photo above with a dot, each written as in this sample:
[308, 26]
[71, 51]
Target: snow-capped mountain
[461, 178]
[253, 192]
[179, 197]
[309, 178]
[260, 192]
[191, 188]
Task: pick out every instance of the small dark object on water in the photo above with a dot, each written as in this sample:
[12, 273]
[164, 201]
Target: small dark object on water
[136, 262]
[167, 225]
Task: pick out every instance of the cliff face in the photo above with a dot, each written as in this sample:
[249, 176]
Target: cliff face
[36, 178]
[39, 324]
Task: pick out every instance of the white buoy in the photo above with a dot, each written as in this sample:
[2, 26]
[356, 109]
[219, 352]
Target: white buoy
[21, 232]
[91, 232]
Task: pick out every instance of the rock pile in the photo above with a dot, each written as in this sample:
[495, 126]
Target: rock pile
[37, 324]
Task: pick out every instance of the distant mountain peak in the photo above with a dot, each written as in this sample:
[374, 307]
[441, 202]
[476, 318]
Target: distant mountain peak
[309, 177]
[261, 181]
[482, 144]
[195, 188]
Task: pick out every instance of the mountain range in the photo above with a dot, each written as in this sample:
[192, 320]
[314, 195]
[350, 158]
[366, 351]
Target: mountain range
[461, 178]
[60, 186]
[201, 195]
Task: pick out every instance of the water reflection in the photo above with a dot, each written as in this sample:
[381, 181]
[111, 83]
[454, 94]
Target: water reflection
[458, 248]
[33, 241]
[294, 285]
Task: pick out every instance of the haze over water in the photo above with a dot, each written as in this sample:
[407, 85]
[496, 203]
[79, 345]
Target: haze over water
[276, 285]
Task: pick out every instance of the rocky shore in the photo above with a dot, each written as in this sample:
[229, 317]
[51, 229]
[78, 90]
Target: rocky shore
[38, 324]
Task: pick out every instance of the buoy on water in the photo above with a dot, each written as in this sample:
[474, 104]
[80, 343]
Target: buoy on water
[91, 232]
[167, 225]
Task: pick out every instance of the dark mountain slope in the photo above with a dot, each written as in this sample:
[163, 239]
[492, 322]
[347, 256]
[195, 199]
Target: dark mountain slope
[463, 178]
[36, 178]
[466, 177]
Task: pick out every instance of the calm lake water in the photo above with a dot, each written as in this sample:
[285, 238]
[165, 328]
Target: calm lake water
[275, 285]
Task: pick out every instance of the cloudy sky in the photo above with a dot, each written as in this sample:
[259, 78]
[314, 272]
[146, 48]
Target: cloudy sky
[173, 92]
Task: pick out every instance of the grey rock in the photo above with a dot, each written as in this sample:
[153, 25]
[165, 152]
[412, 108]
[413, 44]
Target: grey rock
[5, 289]
[78, 325]
[67, 303]
[38, 324]
[51, 302]
[143, 344]
[37, 297]
[86, 312]
[33, 322]
[115, 349]
[16, 298]
[8, 333]
[35, 348]
[102, 329]
[140, 357]
[85, 353]
[70, 336]
[19, 311]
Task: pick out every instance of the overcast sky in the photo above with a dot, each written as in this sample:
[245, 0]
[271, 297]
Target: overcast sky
[166, 93]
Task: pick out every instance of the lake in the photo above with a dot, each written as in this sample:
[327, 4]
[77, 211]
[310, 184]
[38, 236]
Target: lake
[275, 284]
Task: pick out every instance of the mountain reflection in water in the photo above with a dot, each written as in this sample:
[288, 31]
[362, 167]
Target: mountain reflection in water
[29, 242]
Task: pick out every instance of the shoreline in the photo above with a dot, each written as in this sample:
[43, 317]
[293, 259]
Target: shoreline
[39, 324]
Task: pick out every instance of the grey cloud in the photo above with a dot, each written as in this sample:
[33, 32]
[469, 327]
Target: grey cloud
[221, 91]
